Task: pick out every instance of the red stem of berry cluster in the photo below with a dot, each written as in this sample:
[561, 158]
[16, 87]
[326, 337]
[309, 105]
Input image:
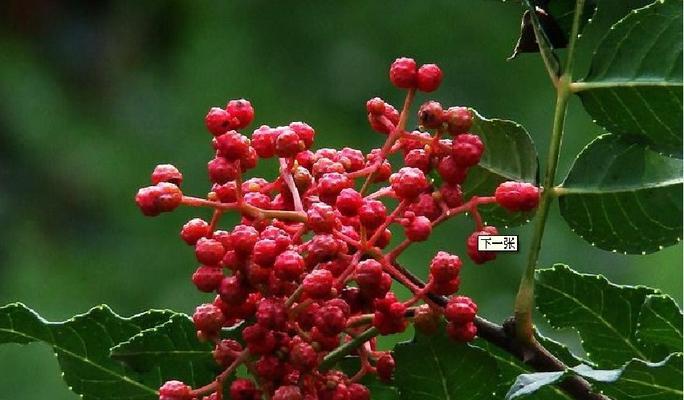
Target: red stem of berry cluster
[287, 177]
[392, 138]
[217, 384]
[244, 208]
[468, 206]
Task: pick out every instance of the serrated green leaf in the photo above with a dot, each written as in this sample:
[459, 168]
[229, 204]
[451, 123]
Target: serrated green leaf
[560, 351]
[511, 367]
[169, 351]
[621, 195]
[435, 367]
[605, 315]
[639, 379]
[634, 85]
[660, 324]
[509, 155]
[82, 345]
[607, 13]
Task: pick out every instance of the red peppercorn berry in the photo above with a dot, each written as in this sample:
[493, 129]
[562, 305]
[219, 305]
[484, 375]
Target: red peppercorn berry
[429, 77]
[241, 113]
[517, 196]
[403, 73]
[480, 257]
[458, 119]
[166, 173]
[208, 318]
[175, 390]
[385, 367]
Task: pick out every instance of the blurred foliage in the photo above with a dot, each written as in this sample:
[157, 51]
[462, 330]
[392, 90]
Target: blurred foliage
[94, 94]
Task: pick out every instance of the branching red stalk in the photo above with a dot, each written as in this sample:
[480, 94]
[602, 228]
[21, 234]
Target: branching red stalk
[393, 137]
[287, 178]
[222, 377]
[389, 220]
[386, 191]
[470, 205]
[244, 208]
[215, 218]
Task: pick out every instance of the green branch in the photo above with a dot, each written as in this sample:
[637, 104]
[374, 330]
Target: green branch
[339, 353]
[524, 302]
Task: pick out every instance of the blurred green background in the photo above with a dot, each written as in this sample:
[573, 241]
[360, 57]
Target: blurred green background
[94, 94]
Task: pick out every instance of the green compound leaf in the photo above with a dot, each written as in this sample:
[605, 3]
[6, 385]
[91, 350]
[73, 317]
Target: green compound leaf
[637, 379]
[434, 367]
[634, 85]
[82, 345]
[509, 155]
[605, 315]
[621, 195]
[169, 351]
[660, 324]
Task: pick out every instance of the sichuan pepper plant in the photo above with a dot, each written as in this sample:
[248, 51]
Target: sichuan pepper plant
[299, 290]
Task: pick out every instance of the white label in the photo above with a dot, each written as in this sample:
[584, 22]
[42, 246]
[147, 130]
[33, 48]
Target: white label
[500, 243]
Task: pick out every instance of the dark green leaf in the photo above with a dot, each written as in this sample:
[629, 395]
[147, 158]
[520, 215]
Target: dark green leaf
[82, 345]
[509, 155]
[434, 367]
[510, 367]
[634, 85]
[170, 351]
[639, 379]
[621, 195]
[563, 12]
[607, 13]
[660, 324]
[604, 314]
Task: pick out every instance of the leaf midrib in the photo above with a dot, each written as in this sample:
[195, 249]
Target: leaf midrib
[581, 86]
[85, 360]
[442, 378]
[649, 305]
[618, 189]
[598, 316]
[653, 385]
[158, 353]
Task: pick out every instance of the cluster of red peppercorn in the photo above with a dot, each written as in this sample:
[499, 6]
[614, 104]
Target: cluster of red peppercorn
[306, 270]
